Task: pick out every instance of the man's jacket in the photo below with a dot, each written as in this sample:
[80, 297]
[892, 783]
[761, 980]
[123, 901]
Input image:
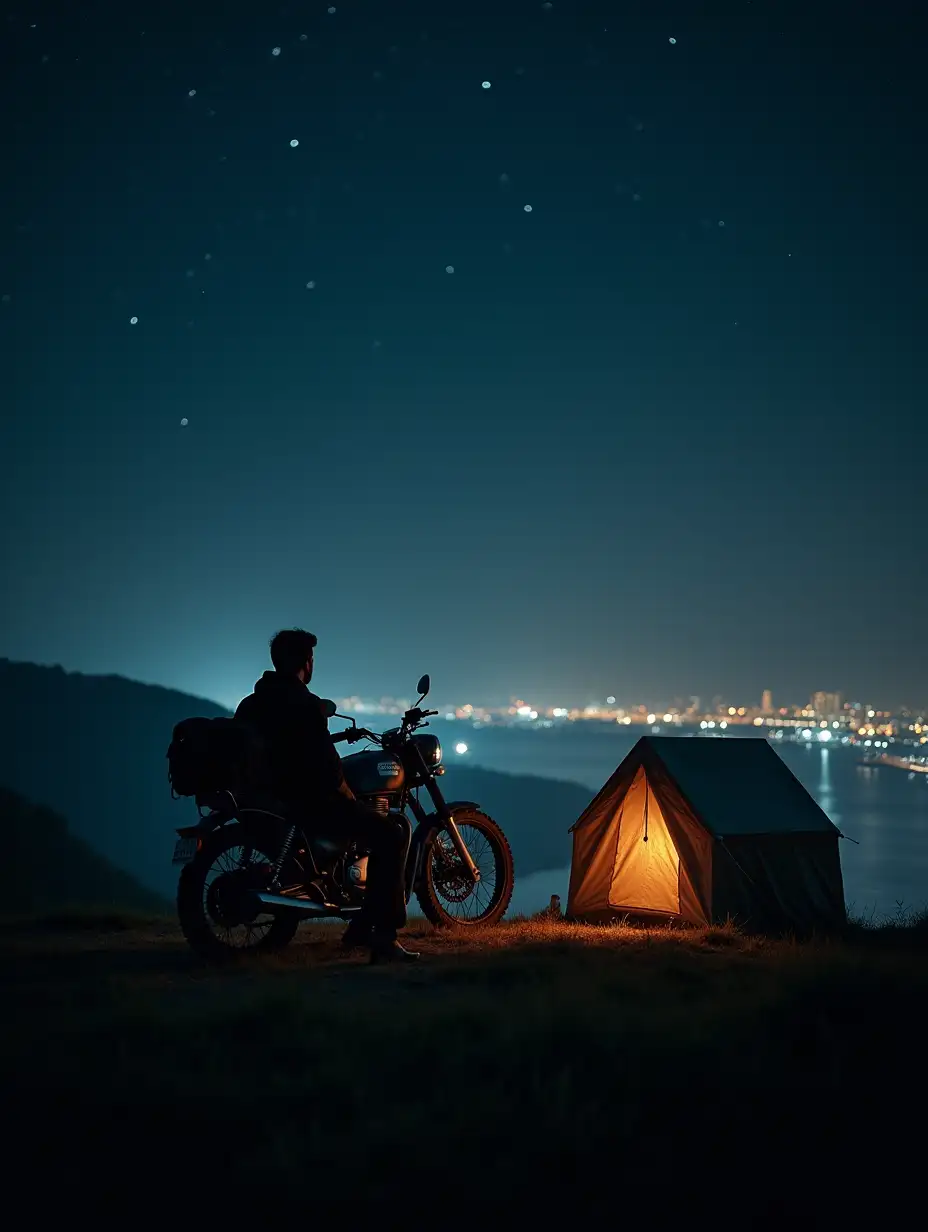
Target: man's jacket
[303, 763]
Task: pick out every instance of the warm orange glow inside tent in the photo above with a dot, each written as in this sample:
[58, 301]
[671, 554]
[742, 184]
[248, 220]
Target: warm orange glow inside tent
[646, 869]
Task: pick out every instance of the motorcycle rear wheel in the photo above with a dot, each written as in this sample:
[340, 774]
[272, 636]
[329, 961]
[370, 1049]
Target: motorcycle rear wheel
[209, 931]
[446, 894]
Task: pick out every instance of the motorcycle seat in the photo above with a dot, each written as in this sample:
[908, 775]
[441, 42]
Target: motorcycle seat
[311, 821]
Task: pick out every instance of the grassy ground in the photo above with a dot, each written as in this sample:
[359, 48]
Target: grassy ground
[538, 1071]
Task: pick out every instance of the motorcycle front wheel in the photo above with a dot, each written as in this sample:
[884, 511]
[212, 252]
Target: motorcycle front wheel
[447, 895]
[214, 907]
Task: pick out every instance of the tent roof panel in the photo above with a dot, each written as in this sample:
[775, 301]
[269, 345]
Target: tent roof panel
[736, 785]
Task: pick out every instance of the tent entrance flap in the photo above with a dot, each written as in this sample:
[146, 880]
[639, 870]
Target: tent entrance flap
[646, 871]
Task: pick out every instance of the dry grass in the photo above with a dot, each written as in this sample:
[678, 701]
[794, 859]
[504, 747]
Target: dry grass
[530, 1068]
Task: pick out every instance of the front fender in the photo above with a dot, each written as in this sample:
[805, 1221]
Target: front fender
[460, 804]
[432, 822]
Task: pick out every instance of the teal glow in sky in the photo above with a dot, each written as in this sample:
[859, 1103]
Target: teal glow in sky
[661, 433]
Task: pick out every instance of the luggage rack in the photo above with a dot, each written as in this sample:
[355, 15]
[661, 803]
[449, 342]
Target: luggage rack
[217, 802]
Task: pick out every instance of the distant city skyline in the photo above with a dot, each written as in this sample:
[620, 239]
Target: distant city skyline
[820, 704]
[824, 719]
[762, 702]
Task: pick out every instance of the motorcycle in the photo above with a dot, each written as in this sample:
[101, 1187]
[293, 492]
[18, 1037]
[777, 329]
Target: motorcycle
[250, 875]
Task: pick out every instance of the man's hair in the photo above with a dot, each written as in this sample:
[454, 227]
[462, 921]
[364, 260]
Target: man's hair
[290, 648]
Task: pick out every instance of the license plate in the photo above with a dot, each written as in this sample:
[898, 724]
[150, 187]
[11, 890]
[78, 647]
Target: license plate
[184, 850]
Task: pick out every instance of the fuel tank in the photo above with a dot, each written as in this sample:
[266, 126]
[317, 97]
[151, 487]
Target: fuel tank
[373, 773]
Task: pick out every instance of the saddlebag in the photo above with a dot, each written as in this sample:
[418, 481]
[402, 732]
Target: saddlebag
[210, 755]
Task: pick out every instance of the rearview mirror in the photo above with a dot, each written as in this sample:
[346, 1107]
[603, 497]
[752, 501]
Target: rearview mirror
[328, 708]
[425, 683]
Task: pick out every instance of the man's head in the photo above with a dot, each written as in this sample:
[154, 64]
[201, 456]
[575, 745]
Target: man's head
[292, 653]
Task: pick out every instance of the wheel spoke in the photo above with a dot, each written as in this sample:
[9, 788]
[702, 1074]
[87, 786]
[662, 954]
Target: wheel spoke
[236, 860]
[459, 897]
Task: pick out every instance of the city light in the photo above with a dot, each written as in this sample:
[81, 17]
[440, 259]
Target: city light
[827, 719]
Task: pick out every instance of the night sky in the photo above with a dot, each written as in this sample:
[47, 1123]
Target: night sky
[662, 434]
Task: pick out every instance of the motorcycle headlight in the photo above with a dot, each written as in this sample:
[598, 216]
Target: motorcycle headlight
[430, 748]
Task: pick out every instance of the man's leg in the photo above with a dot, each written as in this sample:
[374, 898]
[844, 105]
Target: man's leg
[387, 840]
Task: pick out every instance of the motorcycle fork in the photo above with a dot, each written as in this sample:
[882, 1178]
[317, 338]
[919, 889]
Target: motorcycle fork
[450, 825]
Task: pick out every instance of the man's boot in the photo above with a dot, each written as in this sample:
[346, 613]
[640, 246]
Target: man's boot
[386, 949]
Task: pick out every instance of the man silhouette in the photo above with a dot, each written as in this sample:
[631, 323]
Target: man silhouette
[305, 770]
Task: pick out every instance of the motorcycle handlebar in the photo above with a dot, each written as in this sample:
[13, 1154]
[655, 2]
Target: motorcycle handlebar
[353, 734]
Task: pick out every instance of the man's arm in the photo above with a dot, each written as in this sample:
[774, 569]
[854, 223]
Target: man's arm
[325, 763]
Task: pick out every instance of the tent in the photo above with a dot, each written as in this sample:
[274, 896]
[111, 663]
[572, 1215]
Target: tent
[702, 830]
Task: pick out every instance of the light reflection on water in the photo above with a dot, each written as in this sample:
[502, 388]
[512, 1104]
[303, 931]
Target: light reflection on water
[884, 809]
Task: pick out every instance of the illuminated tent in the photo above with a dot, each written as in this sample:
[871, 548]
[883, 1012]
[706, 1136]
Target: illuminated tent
[701, 830]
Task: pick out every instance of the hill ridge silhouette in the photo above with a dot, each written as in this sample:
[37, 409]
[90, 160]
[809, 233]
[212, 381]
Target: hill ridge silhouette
[92, 748]
[109, 676]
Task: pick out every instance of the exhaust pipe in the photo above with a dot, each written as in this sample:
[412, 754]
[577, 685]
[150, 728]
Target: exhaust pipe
[304, 906]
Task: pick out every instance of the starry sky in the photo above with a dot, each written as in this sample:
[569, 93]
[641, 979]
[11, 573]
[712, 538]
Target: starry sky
[605, 377]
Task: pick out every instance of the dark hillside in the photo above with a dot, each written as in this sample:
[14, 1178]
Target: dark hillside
[45, 868]
[93, 749]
